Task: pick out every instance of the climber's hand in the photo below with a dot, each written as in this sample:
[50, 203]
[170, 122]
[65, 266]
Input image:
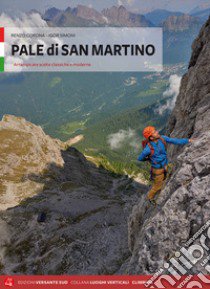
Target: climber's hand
[191, 140]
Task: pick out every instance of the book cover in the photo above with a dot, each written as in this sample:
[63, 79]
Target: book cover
[104, 144]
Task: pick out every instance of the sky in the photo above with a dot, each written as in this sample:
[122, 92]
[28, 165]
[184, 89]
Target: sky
[140, 6]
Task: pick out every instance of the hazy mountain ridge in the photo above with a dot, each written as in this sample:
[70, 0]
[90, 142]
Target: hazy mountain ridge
[158, 16]
[120, 16]
[181, 23]
[83, 15]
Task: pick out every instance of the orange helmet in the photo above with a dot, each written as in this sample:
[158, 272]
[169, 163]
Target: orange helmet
[148, 131]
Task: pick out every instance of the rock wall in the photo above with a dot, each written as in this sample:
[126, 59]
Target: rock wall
[24, 150]
[85, 208]
[184, 205]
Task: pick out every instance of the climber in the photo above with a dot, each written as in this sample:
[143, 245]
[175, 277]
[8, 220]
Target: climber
[155, 151]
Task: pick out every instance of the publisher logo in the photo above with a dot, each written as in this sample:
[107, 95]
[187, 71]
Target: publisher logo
[182, 262]
[9, 281]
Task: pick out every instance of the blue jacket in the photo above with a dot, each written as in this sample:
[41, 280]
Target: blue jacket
[159, 158]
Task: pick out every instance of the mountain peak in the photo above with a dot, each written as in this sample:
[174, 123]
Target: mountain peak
[68, 9]
[51, 13]
[120, 16]
[88, 13]
[121, 7]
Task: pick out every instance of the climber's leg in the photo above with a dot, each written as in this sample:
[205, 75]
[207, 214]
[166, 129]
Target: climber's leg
[159, 177]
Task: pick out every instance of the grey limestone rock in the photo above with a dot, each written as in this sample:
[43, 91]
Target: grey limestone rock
[184, 204]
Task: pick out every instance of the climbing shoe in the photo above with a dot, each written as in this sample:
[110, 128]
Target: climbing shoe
[153, 202]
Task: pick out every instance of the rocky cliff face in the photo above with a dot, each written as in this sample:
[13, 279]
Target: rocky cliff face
[120, 16]
[24, 150]
[183, 22]
[84, 208]
[155, 234]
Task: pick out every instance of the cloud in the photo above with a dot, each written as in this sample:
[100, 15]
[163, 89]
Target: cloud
[173, 91]
[125, 2]
[25, 23]
[25, 20]
[121, 138]
[174, 86]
